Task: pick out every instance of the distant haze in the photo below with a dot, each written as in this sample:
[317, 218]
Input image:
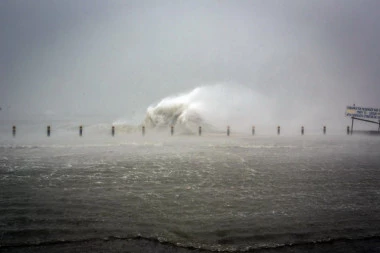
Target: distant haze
[113, 59]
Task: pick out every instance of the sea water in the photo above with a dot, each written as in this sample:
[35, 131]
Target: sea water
[188, 193]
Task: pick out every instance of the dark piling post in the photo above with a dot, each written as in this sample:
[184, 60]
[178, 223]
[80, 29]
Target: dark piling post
[14, 131]
[80, 130]
[113, 130]
[278, 130]
[48, 131]
[143, 130]
[302, 130]
[253, 130]
[199, 130]
[348, 130]
[172, 130]
[324, 129]
[352, 125]
[228, 130]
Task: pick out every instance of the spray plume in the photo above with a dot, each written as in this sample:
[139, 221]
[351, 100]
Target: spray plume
[212, 107]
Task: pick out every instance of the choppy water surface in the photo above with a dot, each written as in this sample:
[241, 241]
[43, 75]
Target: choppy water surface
[190, 193]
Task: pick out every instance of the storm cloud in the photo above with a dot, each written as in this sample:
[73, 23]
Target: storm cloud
[113, 59]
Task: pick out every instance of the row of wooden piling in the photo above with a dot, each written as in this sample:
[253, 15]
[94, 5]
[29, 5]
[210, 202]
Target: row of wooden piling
[48, 130]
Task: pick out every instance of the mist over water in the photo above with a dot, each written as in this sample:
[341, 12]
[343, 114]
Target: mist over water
[212, 107]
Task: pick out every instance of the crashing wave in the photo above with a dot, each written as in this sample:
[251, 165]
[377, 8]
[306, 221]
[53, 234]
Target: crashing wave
[182, 111]
[212, 107]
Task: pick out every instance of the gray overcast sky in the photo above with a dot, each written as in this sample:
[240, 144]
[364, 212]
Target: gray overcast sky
[113, 58]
